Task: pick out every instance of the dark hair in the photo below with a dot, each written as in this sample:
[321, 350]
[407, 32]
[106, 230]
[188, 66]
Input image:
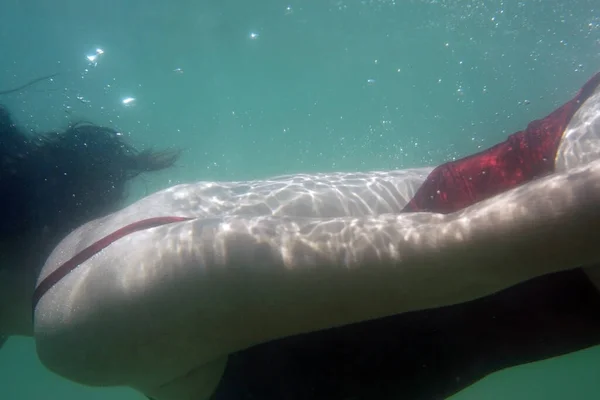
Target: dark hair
[57, 181]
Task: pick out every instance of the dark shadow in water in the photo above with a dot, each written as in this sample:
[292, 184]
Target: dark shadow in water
[423, 355]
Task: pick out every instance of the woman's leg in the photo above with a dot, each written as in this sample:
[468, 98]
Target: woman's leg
[432, 354]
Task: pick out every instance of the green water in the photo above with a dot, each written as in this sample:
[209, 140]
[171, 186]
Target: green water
[256, 88]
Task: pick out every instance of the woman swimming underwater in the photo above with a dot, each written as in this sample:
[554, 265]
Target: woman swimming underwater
[52, 183]
[332, 286]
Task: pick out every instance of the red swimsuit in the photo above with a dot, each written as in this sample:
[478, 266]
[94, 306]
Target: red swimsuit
[524, 156]
[422, 355]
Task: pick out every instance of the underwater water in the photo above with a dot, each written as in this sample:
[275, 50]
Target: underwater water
[256, 88]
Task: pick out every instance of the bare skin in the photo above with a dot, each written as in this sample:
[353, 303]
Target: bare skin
[581, 145]
[218, 285]
[160, 310]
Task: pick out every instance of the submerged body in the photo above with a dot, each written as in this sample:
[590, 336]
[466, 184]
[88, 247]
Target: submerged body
[252, 265]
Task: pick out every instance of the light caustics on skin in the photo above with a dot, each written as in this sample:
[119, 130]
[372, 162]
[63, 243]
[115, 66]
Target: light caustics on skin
[213, 265]
[262, 260]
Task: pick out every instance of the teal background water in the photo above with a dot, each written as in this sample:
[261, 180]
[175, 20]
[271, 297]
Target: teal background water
[256, 88]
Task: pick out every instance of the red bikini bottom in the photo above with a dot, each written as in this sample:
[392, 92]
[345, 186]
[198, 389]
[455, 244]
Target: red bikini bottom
[524, 156]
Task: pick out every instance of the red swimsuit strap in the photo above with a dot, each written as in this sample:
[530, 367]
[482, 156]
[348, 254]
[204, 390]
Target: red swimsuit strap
[524, 156]
[64, 269]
